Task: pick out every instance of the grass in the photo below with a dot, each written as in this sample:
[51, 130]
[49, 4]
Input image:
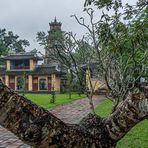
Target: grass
[137, 137]
[104, 108]
[44, 99]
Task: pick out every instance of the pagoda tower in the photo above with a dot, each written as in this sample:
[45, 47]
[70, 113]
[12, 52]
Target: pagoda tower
[55, 28]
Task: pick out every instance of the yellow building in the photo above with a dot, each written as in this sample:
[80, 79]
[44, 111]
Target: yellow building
[22, 72]
[93, 83]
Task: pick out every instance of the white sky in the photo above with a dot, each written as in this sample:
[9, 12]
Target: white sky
[27, 17]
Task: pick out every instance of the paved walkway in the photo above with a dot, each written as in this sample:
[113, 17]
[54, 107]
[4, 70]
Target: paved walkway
[75, 111]
[69, 113]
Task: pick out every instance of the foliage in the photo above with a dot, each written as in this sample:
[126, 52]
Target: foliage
[11, 43]
[119, 39]
[21, 83]
[84, 52]
[125, 45]
[50, 41]
[136, 137]
[53, 97]
[55, 37]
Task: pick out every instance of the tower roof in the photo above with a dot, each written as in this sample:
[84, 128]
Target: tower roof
[55, 24]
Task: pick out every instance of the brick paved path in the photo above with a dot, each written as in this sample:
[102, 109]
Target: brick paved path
[75, 111]
[69, 113]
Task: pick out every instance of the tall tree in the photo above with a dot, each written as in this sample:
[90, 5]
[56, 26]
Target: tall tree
[11, 42]
[120, 42]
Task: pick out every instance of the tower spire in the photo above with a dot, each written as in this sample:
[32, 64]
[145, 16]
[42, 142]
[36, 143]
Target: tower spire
[55, 19]
[55, 24]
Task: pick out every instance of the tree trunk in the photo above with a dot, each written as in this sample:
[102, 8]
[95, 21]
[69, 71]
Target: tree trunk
[39, 128]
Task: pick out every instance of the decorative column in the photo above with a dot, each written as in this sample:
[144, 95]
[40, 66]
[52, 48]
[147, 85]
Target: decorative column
[57, 84]
[31, 64]
[8, 64]
[30, 82]
[7, 80]
[53, 82]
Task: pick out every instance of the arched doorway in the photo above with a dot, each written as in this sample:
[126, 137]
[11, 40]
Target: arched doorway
[43, 84]
[20, 83]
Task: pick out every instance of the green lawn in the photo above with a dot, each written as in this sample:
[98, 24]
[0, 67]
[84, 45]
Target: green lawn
[44, 99]
[137, 137]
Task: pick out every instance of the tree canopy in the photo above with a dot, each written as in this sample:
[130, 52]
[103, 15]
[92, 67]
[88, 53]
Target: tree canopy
[120, 41]
[9, 42]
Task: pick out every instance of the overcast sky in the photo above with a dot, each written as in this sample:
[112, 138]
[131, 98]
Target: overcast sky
[27, 17]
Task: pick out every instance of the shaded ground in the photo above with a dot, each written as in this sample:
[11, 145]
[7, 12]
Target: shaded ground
[69, 113]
